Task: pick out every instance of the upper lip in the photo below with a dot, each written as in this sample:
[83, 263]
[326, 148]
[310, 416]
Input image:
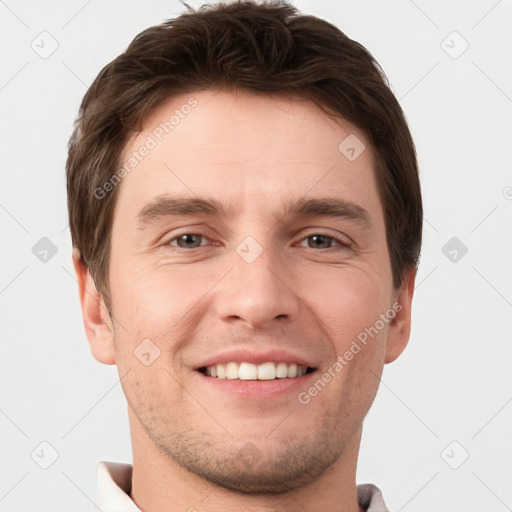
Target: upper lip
[259, 356]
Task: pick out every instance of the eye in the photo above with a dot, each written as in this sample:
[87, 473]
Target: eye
[187, 241]
[324, 241]
[314, 241]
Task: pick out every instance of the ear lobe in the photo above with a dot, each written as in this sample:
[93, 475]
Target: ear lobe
[98, 327]
[400, 327]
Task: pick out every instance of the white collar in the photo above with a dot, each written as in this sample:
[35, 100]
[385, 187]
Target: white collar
[114, 487]
[115, 483]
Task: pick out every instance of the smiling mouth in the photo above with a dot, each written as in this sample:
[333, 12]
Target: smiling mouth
[250, 371]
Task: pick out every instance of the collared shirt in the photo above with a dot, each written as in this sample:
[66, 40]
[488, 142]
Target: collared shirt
[115, 482]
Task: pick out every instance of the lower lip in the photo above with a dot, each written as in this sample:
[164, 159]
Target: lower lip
[255, 388]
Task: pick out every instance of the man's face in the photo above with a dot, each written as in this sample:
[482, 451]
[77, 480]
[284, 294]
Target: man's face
[289, 271]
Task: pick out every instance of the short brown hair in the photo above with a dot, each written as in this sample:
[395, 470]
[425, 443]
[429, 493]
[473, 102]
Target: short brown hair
[266, 47]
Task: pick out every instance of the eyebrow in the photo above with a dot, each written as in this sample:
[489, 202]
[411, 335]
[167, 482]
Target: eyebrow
[166, 205]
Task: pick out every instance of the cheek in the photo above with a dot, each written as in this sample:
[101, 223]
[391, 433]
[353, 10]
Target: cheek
[146, 299]
[159, 304]
[151, 308]
[349, 307]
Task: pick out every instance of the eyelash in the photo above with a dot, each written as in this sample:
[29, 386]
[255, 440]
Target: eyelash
[341, 244]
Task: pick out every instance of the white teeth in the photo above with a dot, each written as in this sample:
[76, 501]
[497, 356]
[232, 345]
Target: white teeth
[232, 371]
[221, 371]
[247, 371]
[250, 371]
[266, 371]
[282, 371]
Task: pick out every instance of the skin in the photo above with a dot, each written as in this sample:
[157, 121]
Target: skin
[196, 446]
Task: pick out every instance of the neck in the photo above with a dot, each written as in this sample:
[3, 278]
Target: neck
[159, 484]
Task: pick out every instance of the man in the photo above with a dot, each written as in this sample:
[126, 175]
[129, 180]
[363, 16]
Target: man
[246, 215]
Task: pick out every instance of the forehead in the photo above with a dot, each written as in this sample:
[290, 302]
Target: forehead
[253, 149]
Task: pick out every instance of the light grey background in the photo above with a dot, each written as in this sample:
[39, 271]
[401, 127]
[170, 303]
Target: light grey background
[453, 381]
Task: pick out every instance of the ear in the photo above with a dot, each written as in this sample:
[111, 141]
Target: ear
[98, 326]
[400, 326]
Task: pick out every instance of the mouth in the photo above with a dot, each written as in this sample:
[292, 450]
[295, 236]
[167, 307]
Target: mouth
[249, 371]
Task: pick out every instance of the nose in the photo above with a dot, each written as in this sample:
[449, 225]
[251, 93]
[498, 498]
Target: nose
[258, 293]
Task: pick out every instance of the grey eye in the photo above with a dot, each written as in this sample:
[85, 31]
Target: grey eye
[320, 241]
[188, 241]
